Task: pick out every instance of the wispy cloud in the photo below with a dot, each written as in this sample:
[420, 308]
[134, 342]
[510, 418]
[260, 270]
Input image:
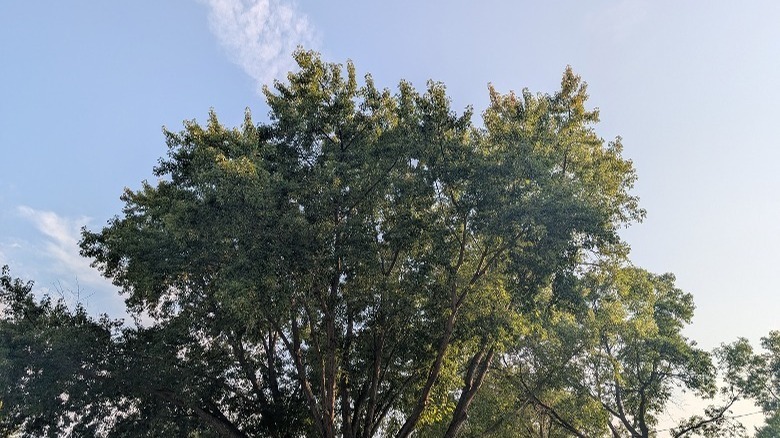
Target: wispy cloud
[61, 245]
[260, 35]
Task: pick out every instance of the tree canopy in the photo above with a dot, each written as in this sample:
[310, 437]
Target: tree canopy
[359, 267]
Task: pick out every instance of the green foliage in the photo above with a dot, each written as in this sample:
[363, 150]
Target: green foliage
[769, 394]
[771, 427]
[51, 357]
[358, 266]
[758, 376]
[607, 361]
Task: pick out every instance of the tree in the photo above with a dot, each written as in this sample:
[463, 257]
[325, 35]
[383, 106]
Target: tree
[771, 427]
[63, 372]
[607, 361]
[769, 393]
[48, 355]
[356, 266]
[759, 377]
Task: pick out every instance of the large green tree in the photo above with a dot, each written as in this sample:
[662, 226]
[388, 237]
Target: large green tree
[356, 266]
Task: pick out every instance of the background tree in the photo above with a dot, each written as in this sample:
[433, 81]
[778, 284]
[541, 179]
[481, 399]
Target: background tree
[769, 396]
[50, 356]
[758, 376]
[770, 428]
[65, 373]
[606, 360]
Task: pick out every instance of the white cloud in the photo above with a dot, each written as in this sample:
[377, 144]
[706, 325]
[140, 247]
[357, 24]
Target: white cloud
[260, 35]
[62, 245]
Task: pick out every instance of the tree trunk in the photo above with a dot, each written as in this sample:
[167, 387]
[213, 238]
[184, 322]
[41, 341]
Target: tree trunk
[478, 369]
[433, 375]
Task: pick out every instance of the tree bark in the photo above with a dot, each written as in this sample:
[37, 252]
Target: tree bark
[433, 375]
[216, 421]
[475, 376]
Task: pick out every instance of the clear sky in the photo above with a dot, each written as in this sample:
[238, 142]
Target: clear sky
[691, 86]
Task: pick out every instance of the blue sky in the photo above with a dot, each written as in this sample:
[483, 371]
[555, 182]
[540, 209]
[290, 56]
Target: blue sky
[85, 88]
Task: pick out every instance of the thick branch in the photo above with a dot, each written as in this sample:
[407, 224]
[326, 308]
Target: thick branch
[294, 348]
[215, 420]
[714, 418]
[433, 375]
[475, 376]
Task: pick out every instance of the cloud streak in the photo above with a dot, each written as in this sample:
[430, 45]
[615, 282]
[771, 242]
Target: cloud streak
[260, 35]
[62, 244]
